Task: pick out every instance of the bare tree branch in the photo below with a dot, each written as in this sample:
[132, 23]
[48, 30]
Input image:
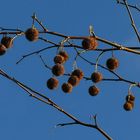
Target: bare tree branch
[131, 6]
[48, 101]
[131, 19]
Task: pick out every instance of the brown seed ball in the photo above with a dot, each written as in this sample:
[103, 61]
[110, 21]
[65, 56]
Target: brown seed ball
[96, 77]
[73, 80]
[78, 73]
[52, 83]
[112, 63]
[128, 106]
[64, 54]
[130, 98]
[7, 41]
[2, 49]
[58, 69]
[67, 87]
[32, 34]
[93, 90]
[59, 59]
[90, 43]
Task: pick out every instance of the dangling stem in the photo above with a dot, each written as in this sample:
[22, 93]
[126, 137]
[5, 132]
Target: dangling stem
[33, 17]
[129, 90]
[61, 47]
[112, 52]
[97, 60]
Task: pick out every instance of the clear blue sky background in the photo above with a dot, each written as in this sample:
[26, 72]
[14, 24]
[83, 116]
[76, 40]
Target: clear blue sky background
[22, 117]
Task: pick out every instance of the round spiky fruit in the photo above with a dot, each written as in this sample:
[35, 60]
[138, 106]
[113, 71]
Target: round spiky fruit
[58, 69]
[78, 73]
[130, 98]
[52, 83]
[90, 43]
[96, 77]
[112, 63]
[32, 34]
[67, 87]
[59, 59]
[64, 54]
[2, 49]
[73, 80]
[128, 106]
[7, 41]
[93, 90]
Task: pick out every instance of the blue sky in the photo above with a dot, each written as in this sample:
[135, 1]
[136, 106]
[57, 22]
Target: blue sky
[22, 117]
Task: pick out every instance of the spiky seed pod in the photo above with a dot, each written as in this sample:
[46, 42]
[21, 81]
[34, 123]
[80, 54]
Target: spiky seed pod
[78, 73]
[67, 87]
[90, 43]
[59, 59]
[93, 90]
[112, 63]
[58, 69]
[128, 106]
[7, 41]
[64, 54]
[73, 80]
[2, 49]
[130, 98]
[96, 77]
[52, 83]
[32, 34]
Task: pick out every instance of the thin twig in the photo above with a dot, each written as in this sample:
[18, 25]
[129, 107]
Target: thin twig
[118, 46]
[48, 41]
[39, 22]
[44, 63]
[13, 32]
[64, 124]
[130, 5]
[132, 20]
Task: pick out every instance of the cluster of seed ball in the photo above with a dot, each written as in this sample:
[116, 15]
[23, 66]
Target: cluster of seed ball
[95, 77]
[129, 104]
[89, 43]
[73, 80]
[6, 43]
[58, 69]
[111, 63]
